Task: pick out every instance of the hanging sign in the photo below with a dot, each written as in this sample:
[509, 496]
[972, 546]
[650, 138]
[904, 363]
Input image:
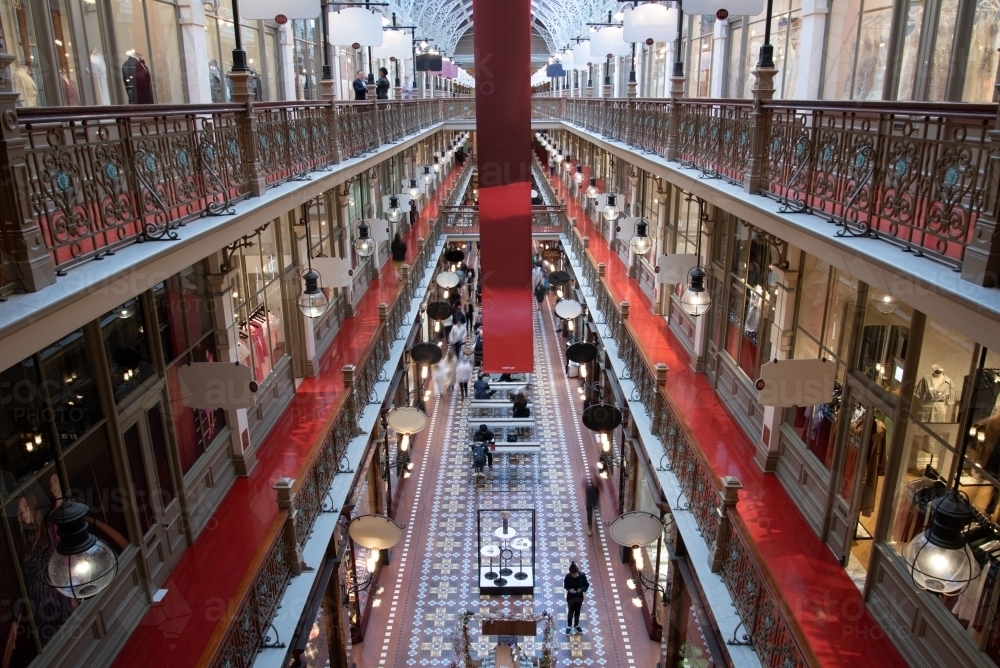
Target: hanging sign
[378, 229]
[673, 269]
[796, 383]
[336, 271]
[212, 385]
[355, 25]
[289, 9]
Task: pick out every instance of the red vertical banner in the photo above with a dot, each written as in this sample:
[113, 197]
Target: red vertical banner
[503, 127]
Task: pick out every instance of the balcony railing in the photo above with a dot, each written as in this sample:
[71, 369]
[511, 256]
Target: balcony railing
[100, 178]
[916, 174]
[464, 219]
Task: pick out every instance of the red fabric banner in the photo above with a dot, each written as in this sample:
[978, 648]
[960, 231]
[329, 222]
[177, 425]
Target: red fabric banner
[503, 152]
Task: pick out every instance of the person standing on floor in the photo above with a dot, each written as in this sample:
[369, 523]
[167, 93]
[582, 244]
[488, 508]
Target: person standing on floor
[593, 503]
[537, 274]
[479, 453]
[382, 85]
[398, 249]
[360, 86]
[539, 295]
[575, 583]
[463, 372]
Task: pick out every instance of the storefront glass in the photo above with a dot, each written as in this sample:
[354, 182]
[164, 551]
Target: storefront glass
[981, 66]
[18, 22]
[185, 312]
[884, 340]
[825, 314]
[130, 362]
[304, 52]
[258, 305]
[750, 303]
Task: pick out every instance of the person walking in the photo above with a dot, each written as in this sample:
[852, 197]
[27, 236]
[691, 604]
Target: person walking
[576, 585]
[398, 250]
[360, 86]
[382, 85]
[457, 336]
[463, 372]
[486, 437]
[539, 295]
[444, 375]
[407, 90]
[537, 274]
[593, 503]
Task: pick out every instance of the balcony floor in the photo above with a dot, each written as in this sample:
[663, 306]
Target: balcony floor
[201, 587]
[819, 591]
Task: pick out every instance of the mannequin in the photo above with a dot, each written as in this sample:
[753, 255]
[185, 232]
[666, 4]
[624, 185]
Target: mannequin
[24, 84]
[138, 82]
[936, 393]
[215, 81]
[99, 75]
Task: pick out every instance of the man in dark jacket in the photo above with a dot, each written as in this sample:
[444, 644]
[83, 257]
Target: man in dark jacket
[486, 437]
[482, 388]
[575, 583]
[360, 86]
[479, 454]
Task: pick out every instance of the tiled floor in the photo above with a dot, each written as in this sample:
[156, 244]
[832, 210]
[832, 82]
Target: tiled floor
[201, 586]
[432, 575]
[820, 592]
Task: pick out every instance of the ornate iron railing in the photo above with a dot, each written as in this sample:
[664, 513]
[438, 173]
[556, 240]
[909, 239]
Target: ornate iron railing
[100, 178]
[914, 174]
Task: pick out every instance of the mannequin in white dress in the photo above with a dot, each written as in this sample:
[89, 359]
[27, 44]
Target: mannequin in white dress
[936, 394]
[99, 75]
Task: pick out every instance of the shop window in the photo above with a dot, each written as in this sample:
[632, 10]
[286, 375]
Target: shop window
[194, 428]
[786, 25]
[160, 456]
[884, 341]
[750, 303]
[140, 482]
[304, 52]
[909, 54]
[16, 638]
[25, 425]
[18, 23]
[68, 381]
[256, 291]
[126, 343]
[165, 53]
[981, 65]
[826, 305]
[857, 58]
[220, 34]
[66, 59]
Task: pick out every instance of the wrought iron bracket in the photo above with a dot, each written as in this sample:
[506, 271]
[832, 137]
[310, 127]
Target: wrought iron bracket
[745, 640]
[267, 642]
[344, 466]
[798, 205]
[225, 207]
[246, 242]
[669, 466]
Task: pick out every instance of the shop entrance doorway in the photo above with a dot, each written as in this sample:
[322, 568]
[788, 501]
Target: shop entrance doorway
[858, 485]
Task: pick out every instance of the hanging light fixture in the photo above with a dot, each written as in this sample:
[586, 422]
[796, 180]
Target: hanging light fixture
[82, 565]
[128, 309]
[364, 244]
[427, 174]
[695, 301]
[568, 165]
[885, 303]
[394, 214]
[437, 165]
[560, 157]
[414, 191]
[611, 210]
[312, 301]
[578, 177]
[640, 242]
[940, 558]
[592, 190]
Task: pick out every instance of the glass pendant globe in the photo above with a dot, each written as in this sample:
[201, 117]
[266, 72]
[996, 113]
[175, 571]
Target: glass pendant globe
[641, 243]
[937, 569]
[312, 301]
[885, 303]
[611, 212]
[364, 246]
[568, 165]
[592, 190]
[85, 574]
[695, 300]
[127, 310]
[414, 191]
[427, 177]
[578, 177]
[394, 214]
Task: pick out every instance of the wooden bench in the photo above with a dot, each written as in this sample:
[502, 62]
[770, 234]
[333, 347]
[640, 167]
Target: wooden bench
[491, 405]
[519, 448]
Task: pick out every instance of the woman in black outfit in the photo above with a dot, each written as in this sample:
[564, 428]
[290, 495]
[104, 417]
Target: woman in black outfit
[398, 249]
[382, 85]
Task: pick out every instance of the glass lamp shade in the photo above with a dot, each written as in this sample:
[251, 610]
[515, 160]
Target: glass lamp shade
[127, 310]
[568, 165]
[592, 190]
[437, 166]
[414, 191]
[82, 565]
[940, 558]
[427, 175]
[611, 210]
[312, 302]
[560, 157]
[364, 244]
[885, 303]
[640, 242]
[394, 214]
[695, 301]
[578, 177]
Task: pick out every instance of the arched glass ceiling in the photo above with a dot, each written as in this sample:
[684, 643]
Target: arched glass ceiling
[558, 21]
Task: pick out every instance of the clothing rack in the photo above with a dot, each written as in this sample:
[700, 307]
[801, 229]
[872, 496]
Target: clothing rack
[257, 311]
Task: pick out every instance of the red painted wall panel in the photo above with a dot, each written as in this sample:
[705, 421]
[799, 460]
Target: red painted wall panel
[503, 123]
